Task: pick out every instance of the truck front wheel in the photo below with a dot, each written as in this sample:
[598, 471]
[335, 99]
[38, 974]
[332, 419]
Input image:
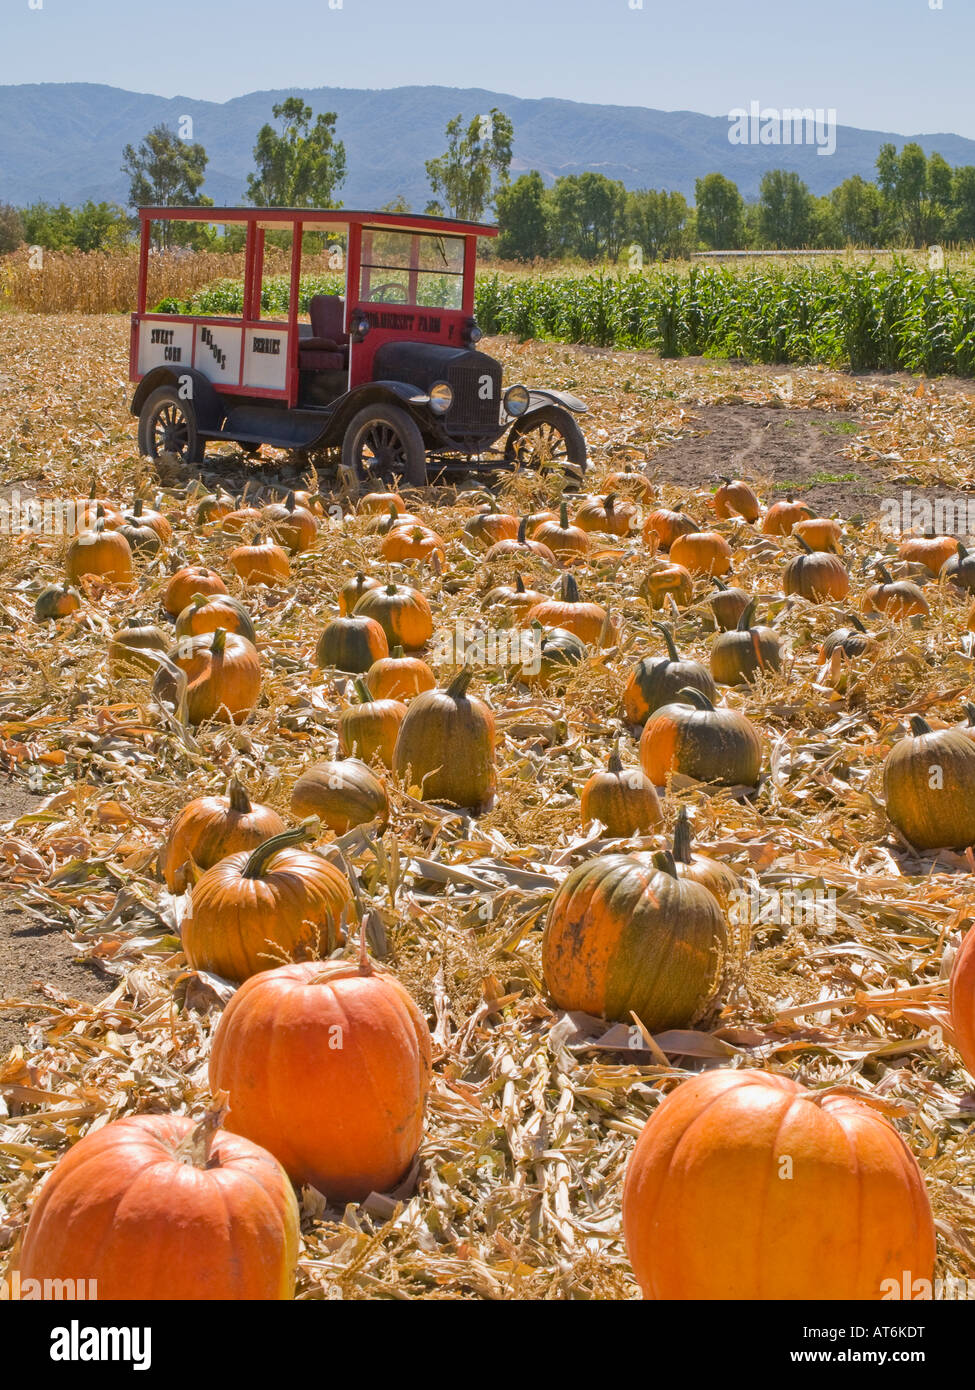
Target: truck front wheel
[167, 425]
[383, 441]
[547, 438]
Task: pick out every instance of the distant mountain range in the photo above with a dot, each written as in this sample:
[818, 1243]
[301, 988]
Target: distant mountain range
[63, 141]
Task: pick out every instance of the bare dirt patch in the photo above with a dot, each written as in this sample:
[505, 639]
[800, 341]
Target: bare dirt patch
[32, 954]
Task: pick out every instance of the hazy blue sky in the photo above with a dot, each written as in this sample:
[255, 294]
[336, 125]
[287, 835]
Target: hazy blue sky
[895, 65]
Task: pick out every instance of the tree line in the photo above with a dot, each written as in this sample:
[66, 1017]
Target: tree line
[915, 200]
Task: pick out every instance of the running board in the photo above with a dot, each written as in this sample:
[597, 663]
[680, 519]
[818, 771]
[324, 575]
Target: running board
[281, 429]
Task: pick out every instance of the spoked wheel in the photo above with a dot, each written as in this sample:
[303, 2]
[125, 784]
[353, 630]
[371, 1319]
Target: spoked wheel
[382, 441]
[167, 425]
[547, 438]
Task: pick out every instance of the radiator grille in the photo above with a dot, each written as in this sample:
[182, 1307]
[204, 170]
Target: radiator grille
[469, 411]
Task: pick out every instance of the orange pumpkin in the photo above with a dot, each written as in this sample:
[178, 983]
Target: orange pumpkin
[735, 498]
[623, 799]
[412, 543]
[723, 883]
[127, 645]
[327, 1064]
[399, 677]
[624, 936]
[352, 592]
[816, 576]
[962, 1001]
[516, 598]
[820, 533]
[257, 907]
[631, 483]
[214, 507]
[155, 1207]
[928, 780]
[782, 516]
[609, 514]
[374, 503]
[209, 828]
[378, 525]
[261, 562]
[959, 571]
[223, 677]
[566, 542]
[829, 1202]
[56, 601]
[101, 553]
[341, 794]
[402, 613]
[185, 583]
[930, 551]
[487, 528]
[690, 736]
[291, 525]
[664, 525]
[727, 604]
[370, 727]
[738, 656]
[520, 547]
[446, 746]
[666, 579]
[141, 515]
[702, 552]
[899, 598]
[241, 520]
[589, 621]
[207, 612]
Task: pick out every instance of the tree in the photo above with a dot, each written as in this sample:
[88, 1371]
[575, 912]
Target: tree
[166, 171]
[590, 215]
[100, 227]
[963, 203]
[859, 212]
[48, 226]
[523, 216]
[785, 210]
[11, 229]
[917, 191]
[301, 165]
[720, 213]
[659, 223]
[467, 178]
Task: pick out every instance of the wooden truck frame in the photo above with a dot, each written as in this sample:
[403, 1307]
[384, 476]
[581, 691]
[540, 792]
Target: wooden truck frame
[385, 379]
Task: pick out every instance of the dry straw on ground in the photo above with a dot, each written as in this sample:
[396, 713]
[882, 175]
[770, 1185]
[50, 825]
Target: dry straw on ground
[517, 1189]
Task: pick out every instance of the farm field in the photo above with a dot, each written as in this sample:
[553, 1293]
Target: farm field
[533, 1109]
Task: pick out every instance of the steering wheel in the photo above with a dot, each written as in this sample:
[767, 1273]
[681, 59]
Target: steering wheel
[391, 292]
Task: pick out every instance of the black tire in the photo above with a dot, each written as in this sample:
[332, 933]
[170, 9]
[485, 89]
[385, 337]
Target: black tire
[382, 441]
[167, 424]
[547, 437]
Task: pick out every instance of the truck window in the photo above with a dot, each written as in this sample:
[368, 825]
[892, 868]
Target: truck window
[421, 269]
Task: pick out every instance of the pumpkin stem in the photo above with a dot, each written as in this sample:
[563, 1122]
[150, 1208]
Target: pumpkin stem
[724, 478]
[745, 621]
[457, 689]
[663, 862]
[362, 691]
[962, 551]
[719, 583]
[668, 637]
[609, 503]
[919, 726]
[259, 858]
[522, 530]
[682, 838]
[519, 584]
[218, 642]
[237, 796]
[391, 589]
[689, 696]
[854, 619]
[615, 763]
[969, 709]
[570, 589]
[884, 572]
[137, 507]
[194, 1149]
[398, 653]
[564, 515]
[365, 964]
[805, 545]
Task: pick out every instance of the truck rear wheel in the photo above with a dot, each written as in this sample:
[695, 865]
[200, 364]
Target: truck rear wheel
[167, 425]
[383, 441]
[547, 438]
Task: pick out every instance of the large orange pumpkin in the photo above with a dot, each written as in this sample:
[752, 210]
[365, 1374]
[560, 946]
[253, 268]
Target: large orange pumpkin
[735, 498]
[370, 727]
[209, 828]
[928, 782]
[520, 547]
[399, 677]
[350, 593]
[690, 736]
[261, 562]
[327, 1064]
[622, 798]
[293, 526]
[412, 543]
[702, 552]
[223, 677]
[153, 1207]
[351, 644]
[626, 935]
[276, 902]
[816, 575]
[656, 681]
[589, 621]
[402, 613]
[744, 1185]
[663, 526]
[930, 551]
[446, 745]
[897, 598]
[101, 553]
[207, 612]
[782, 516]
[567, 543]
[341, 794]
[190, 580]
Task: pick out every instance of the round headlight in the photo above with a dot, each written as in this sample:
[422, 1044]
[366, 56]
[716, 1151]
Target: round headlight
[441, 397]
[474, 334]
[516, 400]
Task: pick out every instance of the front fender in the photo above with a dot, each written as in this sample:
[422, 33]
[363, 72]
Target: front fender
[206, 402]
[543, 396]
